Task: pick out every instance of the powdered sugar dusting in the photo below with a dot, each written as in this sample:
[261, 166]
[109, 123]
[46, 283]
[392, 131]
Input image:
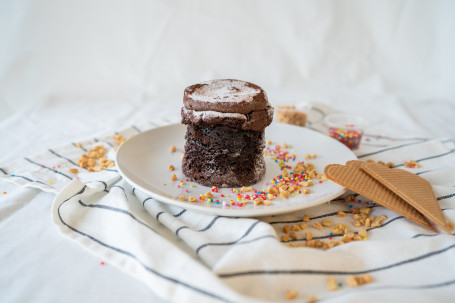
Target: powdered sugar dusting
[225, 90]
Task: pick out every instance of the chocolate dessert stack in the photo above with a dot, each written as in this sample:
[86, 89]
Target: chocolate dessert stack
[225, 132]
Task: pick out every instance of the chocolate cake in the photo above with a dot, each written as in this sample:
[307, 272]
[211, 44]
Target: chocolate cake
[225, 132]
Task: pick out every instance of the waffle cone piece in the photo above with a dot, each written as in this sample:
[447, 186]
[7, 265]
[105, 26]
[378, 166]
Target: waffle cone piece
[411, 188]
[355, 179]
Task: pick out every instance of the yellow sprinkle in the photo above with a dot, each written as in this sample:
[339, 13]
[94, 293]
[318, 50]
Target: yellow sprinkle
[50, 181]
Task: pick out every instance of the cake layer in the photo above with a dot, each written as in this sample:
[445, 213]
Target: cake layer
[223, 156]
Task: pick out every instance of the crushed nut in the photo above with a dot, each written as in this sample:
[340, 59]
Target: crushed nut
[355, 281]
[119, 139]
[306, 218]
[171, 167]
[326, 223]
[295, 228]
[293, 235]
[286, 229]
[332, 283]
[192, 199]
[209, 195]
[246, 189]
[363, 233]
[269, 142]
[173, 149]
[74, 170]
[303, 225]
[341, 213]
[173, 177]
[183, 198]
[311, 299]
[365, 210]
[78, 144]
[317, 225]
[291, 294]
[309, 235]
[450, 226]
[284, 238]
[284, 193]
[352, 281]
[390, 164]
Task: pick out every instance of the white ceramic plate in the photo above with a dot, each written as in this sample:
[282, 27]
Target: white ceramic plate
[143, 161]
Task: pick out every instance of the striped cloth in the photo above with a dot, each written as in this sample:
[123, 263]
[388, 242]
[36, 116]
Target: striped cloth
[185, 256]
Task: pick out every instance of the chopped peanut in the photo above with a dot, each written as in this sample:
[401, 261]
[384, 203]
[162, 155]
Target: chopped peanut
[183, 198]
[306, 218]
[209, 195]
[450, 226]
[326, 223]
[192, 199]
[293, 235]
[352, 281]
[78, 144]
[173, 177]
[171, 167]
[303, 225]
[74, 170]
[309, 235]
[173, 149]
[285, 238]
[284, 193]
[311, 299]
[269, 142]
[286, 229]
[291, 294]
[295, 228]
[332, 283]
[246, 189]
[363, 233]
[341, 213]
[317, 225]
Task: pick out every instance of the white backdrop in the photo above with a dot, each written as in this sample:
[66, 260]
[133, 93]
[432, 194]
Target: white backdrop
[146, 51]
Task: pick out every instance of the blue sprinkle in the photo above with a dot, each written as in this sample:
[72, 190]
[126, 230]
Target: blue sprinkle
[331, 234]
[350, 206]
[340, 284]
[13, 175]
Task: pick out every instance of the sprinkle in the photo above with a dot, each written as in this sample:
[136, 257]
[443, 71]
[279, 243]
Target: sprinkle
[50, 181]
[102, 263]
[192, 185]
[4, 192]
[186, 190]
